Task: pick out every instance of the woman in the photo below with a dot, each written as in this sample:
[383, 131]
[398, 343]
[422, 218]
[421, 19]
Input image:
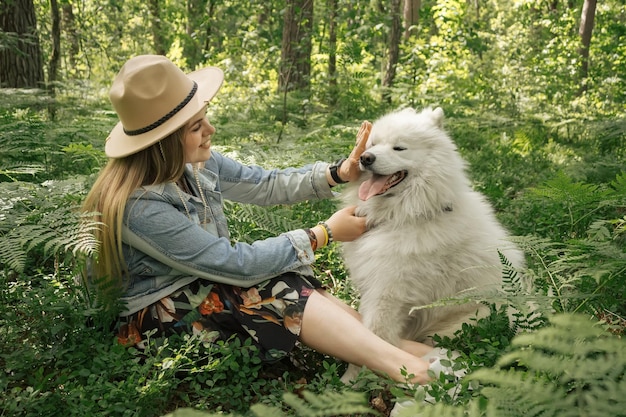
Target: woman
[165, 243]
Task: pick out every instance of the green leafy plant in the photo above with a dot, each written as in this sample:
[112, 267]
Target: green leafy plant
[327, 404]
[44, 224]
[573, 367]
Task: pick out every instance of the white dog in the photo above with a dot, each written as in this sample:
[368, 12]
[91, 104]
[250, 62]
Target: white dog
[430, 235]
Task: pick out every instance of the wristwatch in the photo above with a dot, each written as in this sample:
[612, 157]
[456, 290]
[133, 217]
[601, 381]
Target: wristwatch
[333, 171]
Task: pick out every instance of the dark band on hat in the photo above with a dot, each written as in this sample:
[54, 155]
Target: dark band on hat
[167, 116]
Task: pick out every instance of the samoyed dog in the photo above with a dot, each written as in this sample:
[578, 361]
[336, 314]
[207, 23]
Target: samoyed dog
[430, 235]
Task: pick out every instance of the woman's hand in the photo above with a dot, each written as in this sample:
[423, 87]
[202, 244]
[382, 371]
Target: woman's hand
[349, 169]
[345, 225]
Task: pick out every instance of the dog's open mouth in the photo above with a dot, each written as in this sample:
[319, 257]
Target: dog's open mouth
[380, 184]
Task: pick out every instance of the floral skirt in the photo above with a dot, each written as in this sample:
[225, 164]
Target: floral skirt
[269, 313]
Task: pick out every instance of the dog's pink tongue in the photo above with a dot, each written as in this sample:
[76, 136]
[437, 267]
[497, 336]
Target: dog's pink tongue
[372, 187]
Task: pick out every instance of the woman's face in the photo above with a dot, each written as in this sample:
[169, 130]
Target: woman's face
[197, 142]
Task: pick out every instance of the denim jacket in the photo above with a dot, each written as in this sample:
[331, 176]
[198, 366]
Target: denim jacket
[167, 244]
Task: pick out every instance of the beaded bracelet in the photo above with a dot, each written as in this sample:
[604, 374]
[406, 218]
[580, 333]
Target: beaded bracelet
[312, 238]
[327, 232]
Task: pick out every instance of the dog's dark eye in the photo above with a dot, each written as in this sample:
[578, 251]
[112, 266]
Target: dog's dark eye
[399, 148]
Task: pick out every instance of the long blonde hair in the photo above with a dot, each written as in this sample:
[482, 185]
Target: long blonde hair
[162, 162]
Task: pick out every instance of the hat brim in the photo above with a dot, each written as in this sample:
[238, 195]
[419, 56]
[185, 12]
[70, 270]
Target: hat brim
[119, 144]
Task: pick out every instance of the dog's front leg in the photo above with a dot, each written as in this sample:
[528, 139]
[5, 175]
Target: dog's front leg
[387, 319]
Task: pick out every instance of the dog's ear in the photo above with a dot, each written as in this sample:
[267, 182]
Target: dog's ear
[437, 117]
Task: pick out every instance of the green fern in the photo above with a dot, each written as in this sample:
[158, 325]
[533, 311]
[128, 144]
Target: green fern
[327, 404]
[575, 368]
[526, 311]
[619, 184]
[58, 233]
[553, 270]
[250, 222]
[271, 221]
[571, 368]
[12, 256]
[511, 280]
[41, 223]
[576, 273]
[23, 147]
[563, 188]
[573, 205]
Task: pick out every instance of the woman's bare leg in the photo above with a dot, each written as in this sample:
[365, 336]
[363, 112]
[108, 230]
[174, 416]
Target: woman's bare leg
[340, 303]
[415, 348]
[410, 346]
[332, 330]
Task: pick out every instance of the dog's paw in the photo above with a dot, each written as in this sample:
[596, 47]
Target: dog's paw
[440, 366]
[443, 361]
[349, 377]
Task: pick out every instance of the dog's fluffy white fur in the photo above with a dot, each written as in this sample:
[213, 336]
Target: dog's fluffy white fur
[430, 236]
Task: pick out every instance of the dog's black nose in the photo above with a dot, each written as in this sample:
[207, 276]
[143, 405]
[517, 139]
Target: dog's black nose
[367, 158]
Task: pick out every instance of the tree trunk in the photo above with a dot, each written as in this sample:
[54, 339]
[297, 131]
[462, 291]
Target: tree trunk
[69, 27]
[332, 51]
[21, 63]
[295, 65]
[53, 66]
[554, 5]
[411, 16]
[477, 8]
[586, 29]
[192, 51]
[393, 48]
[209, 27]
[157, 32]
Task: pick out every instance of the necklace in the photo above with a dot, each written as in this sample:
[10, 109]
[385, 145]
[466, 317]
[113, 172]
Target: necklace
[182, 199]
[204, 203]
[202, 197]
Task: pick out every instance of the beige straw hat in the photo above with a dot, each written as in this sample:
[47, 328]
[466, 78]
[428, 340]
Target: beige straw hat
[153, 98]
